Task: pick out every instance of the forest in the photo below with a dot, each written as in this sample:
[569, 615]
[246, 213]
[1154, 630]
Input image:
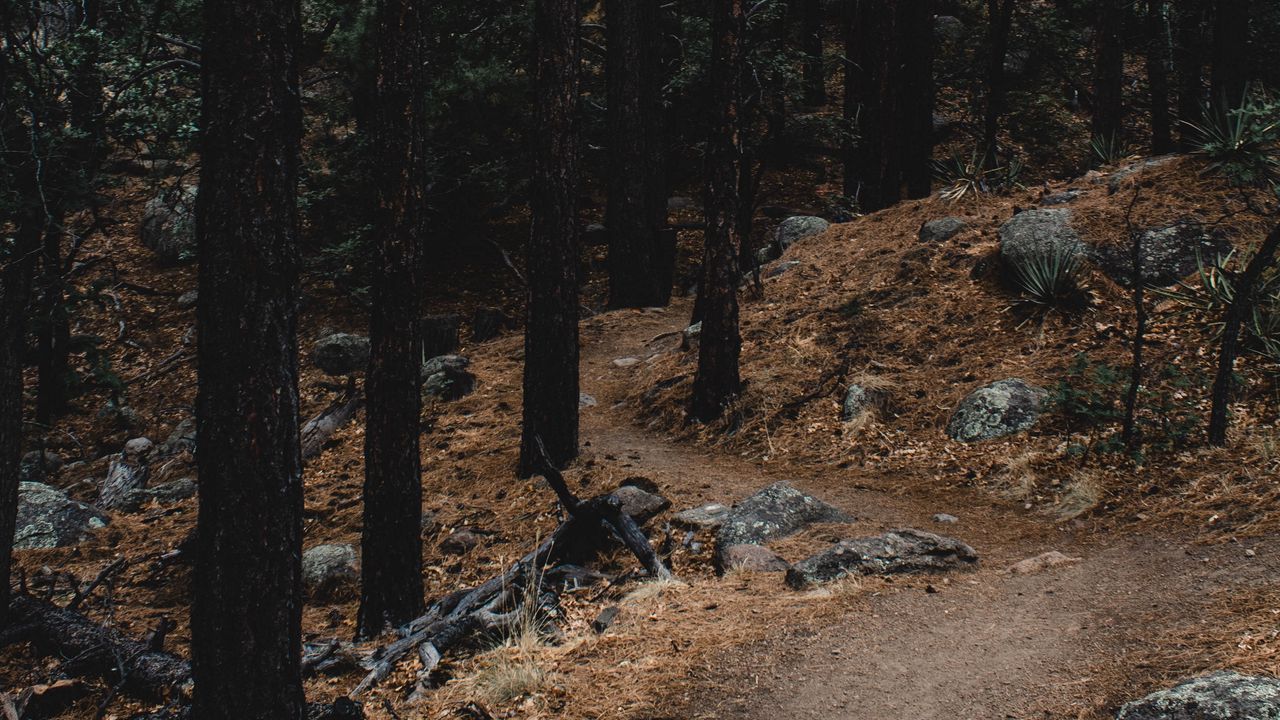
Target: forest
[640, 359]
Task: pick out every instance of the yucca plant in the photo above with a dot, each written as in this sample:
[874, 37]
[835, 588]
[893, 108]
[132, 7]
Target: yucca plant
[966, 177]
[1108, 149]
[1051, 280]
[1241, 143]
[1213, 291]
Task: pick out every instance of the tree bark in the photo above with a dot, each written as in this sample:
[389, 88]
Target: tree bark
[1189, 59]
[999, 25]
[717, 380]
[1108, 71]
[1230, 75]
[391, 535]
[1232, 320]
[1157, 32]
[916, 40]
[551, 330]
[815, 76]
[636, 208]
[872, 171]
[247, 595]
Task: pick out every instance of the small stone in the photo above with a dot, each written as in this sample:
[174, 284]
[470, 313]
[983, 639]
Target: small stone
[640, 504]
[1004, 407]
[936, 231]
[330, 572]
[707, 517]
[1060, 198]
[946, 519]
[689, 336]
[446, 377]
[139, 447]
[1042, 562]
[626, 362]
[751, 558]
[460, 542]
[606, 618]
[188, 299]
[586, 401]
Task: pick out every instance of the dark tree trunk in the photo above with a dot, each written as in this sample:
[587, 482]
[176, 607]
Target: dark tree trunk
[551, 328]
[391, 535]
[1108, 70]
[872, 171]
[247, 596]
[916, 39]
[53, 331]
[1232, 320]
[636, 208]
[815, 76]
[1230, 74]
[999, 25]
[1157, 32]
[1189, 59]
[717, 380]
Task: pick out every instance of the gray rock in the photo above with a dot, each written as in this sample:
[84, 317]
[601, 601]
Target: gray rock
[707, 517]
[797, 228]
[626, 362]
[945, 519]
[689, 336]
[942, 229]
[774, 512]
[753, 558]
[164, 493]
[341, 353]
[586, 401]
[37, 465]
[139, 447]
[1116, 179]
[47, 518]
[330, 572]
[168, 225]
[779, 268]
[856, 402]
[1219, 696]
[948, 29]
[766, 255]
[188, 299]
[1168, 254]
[446, 377]
[119, 416]
[640, 504]
[897, 551]
[1002, 408]
[183, 437]
[460, 542]
[1035, 234]
[1060, 198]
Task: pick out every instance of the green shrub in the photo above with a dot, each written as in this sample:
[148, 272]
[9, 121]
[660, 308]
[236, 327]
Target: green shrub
[1051, 280]
[1240, 144]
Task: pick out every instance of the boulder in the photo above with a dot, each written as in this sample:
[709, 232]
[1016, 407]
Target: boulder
[188, 299]
[1041, 233]
[942, 229]
[1004, 407]
[640, 504]
[164, 493]
[774, 512]
[706, 517]
[1169, 254]
[37, 465]
[1218, 696]
[330, 572]
[341, 353]
[797, 228]
[168, 225]
[47, 518]
[897, 551]
[446, 377]
[689, 336]
[752, 558]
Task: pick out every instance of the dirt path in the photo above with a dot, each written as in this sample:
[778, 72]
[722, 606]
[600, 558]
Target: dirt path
[983, 645]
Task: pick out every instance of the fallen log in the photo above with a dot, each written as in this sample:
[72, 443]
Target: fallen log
[317, 431]
[92, 649]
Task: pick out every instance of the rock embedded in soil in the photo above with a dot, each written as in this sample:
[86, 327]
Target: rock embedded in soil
[37, 465]
[626, 362]
[689, 336]
[1218, 696]
[1004, 407]
[794, 229]
[1035, 234]
[751, 558]
[706, 517]
[1060, 198]
[446, 377]
[460, 542]
[182, 437]
[1169, 254]
[341, 354]
[946, 519]
[897, 551]
[586, 401]
[857, 401]
[942, 229]
[774, 512]
[168, 226]
[640, 504]
[330, 572]
[779, 268]
[164, 493]
[1042, 562]
[47, 518]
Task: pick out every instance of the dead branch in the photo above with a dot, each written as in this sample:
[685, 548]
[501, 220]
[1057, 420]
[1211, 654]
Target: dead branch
[317, 431]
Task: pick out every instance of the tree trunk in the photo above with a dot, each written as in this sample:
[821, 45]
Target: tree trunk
[1157, 31]
[999, 25]
[247, 595]
[1232, 320]
[815, 77]
[717, 379]
[872, 172]
[551, 329]
[1230, 74]
[1189, 58]
[1108, 71]
[636, 206]
[391, 535]
[916, 40]
[53, 330]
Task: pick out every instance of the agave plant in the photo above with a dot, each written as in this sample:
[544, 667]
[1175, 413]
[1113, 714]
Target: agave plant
[966, 177]
[1109, 150]
[1214, 290]
[1051, 279]
[1241, 143]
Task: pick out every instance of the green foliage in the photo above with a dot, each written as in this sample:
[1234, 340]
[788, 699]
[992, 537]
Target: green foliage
[970, 176]
[1051, 280]
[1089, 394]
[1108, 150]
[1240, 144]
